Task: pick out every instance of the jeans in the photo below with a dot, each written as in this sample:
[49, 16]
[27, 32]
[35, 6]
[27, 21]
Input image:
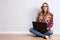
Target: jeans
[49, 32]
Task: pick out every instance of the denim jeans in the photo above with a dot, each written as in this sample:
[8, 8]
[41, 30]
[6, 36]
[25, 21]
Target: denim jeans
[49, 32]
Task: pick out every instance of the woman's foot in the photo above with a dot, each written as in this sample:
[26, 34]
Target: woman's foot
[46, 37]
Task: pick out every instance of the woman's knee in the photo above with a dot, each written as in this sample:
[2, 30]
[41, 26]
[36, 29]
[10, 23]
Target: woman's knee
[30, 29]
[50, 32]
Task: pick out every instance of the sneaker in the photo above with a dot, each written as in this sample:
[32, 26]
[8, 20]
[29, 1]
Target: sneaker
[46, 37]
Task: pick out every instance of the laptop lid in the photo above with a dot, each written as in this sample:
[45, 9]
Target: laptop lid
[40, 26]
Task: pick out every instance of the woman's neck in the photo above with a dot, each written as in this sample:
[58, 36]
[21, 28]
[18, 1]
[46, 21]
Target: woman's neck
[45, 13]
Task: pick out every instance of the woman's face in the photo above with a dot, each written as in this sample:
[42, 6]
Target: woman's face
[45, 7]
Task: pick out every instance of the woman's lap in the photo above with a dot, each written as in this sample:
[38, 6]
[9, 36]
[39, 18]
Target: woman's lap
[49, 32]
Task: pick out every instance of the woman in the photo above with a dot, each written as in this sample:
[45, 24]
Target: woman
[44, 16]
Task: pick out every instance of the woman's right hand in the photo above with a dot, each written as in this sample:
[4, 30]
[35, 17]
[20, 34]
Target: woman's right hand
[41, 19]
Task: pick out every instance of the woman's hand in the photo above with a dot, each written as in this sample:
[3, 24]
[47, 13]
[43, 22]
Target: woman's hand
[40, 19]
[46, 21]
[47, 28]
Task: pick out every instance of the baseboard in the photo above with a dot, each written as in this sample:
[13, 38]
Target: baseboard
[23, 33]
[15, 33]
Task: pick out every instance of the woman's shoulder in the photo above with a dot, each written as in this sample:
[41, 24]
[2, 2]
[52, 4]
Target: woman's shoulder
[40, 13]
[51, 14]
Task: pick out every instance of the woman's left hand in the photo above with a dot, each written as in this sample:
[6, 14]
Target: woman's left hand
[46, 21]
[47, 28]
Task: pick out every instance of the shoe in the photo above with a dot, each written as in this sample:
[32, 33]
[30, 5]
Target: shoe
[37, 36]
[45, 37]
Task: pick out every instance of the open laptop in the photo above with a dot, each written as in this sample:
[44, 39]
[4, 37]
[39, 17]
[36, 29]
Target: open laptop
[40, 26]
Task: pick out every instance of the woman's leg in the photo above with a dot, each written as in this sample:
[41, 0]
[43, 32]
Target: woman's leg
[36, 32]
[49, 32]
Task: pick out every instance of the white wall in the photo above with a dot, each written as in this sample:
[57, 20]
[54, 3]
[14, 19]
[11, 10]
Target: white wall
[16, 15]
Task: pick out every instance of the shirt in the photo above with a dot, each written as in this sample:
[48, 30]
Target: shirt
[50, 24]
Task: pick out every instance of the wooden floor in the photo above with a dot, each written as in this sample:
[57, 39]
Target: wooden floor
[26, 37]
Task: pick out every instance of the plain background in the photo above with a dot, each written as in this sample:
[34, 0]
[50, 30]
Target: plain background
[16, 16]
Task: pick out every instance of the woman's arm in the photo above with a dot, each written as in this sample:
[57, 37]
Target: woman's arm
[51, 22]
[40, 18]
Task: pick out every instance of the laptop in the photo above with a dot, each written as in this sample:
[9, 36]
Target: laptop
[40, 26]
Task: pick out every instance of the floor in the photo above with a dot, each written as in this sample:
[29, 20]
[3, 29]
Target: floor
[26, 37]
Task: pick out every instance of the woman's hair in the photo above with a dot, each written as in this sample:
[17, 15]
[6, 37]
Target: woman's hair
[42, 11]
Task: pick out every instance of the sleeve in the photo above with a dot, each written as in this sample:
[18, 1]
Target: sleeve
[51, 22]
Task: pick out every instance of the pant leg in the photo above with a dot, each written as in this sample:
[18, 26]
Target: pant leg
[49, 32]
[36, 32]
